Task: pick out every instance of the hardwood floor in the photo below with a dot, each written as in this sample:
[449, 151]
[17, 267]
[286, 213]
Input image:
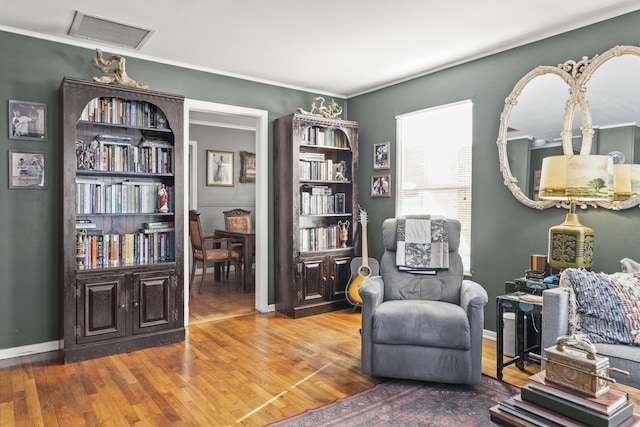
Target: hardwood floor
[247, 369]
[218, 300]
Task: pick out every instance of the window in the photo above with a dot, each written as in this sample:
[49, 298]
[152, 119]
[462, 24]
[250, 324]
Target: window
[434, 166]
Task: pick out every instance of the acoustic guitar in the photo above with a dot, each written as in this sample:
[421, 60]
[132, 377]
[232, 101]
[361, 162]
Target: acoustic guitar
[361, 267]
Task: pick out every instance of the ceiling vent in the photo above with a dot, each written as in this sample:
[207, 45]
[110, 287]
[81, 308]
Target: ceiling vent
[104, 30]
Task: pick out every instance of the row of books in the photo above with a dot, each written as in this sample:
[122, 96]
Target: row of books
[319, 200]
[544, 403]
[148, 246]
[325, 170]
[94, 196]
[326, 137]
[126, 112]
[319, 238]
[117, 154]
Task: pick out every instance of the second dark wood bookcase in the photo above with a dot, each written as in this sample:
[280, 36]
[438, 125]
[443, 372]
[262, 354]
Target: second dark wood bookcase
[121, 207]
[316, 192]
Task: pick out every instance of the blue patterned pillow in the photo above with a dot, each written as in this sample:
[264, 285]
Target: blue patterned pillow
[605, 307]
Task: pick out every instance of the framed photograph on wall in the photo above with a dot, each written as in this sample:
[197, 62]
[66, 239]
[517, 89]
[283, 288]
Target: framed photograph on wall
[248, 171]
[219, 168]
[381, 155]
[27, 169]
[27, 120]
[381, 185]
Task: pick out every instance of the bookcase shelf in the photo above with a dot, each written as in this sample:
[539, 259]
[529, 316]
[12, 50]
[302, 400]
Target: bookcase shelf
[316, 189]
[122, 218]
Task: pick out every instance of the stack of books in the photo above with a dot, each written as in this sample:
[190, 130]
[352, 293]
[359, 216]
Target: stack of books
[544, 403]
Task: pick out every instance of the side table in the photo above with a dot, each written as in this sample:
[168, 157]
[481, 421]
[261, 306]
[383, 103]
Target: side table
[521, 304]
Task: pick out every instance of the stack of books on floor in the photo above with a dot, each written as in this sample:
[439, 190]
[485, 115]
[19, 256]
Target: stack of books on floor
[544, 403]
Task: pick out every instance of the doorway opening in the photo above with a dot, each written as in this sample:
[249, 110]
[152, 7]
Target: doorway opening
[229, 116]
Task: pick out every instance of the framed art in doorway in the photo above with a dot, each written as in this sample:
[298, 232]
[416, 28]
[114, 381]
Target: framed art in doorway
[219, 168]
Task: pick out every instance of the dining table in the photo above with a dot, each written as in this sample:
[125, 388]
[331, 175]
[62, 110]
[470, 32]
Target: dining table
[248, 240]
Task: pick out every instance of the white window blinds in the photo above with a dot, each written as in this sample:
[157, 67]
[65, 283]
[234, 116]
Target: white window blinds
[434, 166]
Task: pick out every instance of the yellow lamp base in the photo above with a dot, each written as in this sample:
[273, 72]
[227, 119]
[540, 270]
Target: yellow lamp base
[570, 244]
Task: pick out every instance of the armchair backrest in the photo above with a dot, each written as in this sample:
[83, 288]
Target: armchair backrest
[442, 286]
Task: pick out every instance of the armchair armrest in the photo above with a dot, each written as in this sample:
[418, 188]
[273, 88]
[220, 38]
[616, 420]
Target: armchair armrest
[472, 296]
[555, 316]
[372, 293]
[217, 240]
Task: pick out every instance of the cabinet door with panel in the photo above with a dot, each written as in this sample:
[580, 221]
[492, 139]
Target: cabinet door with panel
[101, 306]
[154, 301]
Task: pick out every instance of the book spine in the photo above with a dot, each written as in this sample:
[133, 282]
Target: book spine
[574, 411]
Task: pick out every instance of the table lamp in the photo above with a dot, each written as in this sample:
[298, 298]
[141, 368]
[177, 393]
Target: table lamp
[574, 180]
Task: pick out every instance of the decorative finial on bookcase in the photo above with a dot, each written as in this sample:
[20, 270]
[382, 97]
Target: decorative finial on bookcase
[120, 75]
[331, 111]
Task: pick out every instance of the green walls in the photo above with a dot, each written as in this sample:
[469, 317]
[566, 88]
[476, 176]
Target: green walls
[32, 70]
[504, 232]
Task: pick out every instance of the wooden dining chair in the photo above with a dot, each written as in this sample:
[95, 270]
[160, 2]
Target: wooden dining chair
[221, 250]
[238, 220]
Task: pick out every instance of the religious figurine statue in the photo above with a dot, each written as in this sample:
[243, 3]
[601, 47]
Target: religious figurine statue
[120, 75]
[163, 199]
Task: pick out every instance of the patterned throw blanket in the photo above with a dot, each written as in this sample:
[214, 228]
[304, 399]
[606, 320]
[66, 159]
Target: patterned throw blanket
[606, 307]
[423, 243]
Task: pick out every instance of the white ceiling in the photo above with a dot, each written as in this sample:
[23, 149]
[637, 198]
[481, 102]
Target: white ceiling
[341, 48]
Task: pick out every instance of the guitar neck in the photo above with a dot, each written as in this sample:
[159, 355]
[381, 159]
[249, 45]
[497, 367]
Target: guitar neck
[365, 251]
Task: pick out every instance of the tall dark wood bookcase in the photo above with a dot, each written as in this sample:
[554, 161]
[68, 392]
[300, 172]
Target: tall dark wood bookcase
[316, 190]
[121, 253]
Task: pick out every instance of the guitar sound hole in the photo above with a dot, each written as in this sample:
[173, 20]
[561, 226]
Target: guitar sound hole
[364, 271]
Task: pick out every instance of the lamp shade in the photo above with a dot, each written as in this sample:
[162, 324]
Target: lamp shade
[576, 178]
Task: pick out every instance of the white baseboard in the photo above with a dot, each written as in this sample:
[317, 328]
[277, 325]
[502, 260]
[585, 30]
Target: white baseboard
[26, 350]
[490, 335]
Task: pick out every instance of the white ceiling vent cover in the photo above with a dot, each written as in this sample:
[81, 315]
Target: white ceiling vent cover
[104, 30]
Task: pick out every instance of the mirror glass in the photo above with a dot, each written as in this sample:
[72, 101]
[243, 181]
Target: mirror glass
[534, 129]
[614, 95]
[531, 130]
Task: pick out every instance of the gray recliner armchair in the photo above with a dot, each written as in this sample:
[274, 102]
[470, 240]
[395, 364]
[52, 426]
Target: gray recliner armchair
[422, 327]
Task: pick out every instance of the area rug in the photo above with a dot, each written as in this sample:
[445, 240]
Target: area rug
[410, 403]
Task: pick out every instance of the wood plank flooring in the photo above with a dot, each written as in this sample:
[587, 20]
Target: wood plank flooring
[244, 369]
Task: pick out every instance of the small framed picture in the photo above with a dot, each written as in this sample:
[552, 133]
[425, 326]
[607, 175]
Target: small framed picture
[27, 169]
[381, 155]
[219, 168]
[381, 186]
[27, 120]
[248, 172]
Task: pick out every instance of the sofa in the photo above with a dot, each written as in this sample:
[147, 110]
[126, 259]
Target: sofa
[557, 320]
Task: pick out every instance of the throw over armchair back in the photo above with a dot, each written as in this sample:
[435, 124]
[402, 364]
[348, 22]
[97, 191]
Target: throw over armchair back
[422, 326]
[443, 286]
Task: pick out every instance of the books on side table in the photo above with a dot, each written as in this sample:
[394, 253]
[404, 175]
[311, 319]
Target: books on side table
[546, 404]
